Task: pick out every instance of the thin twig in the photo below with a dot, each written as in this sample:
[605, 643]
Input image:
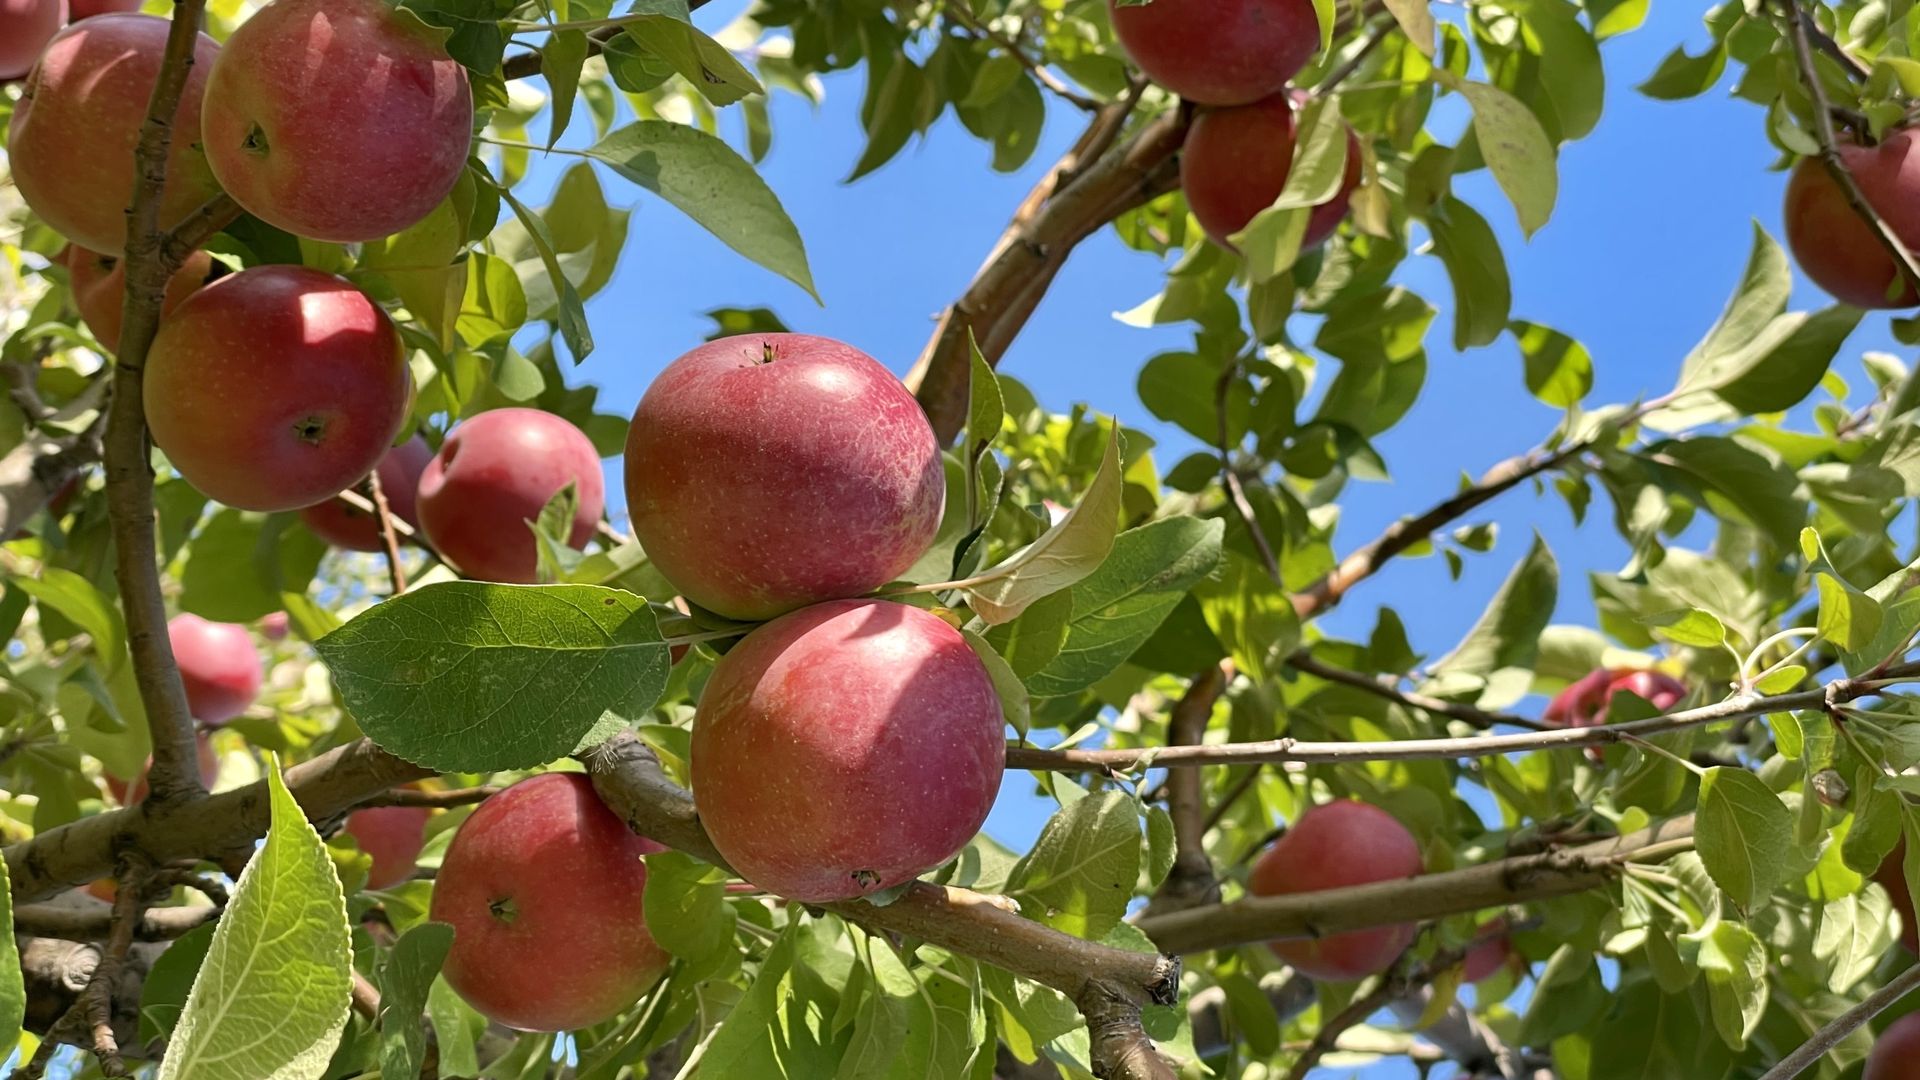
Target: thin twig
[353, 500]
[1303, 661]
[1401, 979]
[173, 775]
[958, 13]
[1829, 1036]
[432, 799]
[1230, 480]
[1737, 707]
[1334, 78]
[396, 571]
[1824, 42]
[1232, 795]
[1903, 260]
[366, 999]
[193, 231]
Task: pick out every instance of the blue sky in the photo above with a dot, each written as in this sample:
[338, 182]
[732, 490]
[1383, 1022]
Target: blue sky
[1650, 234]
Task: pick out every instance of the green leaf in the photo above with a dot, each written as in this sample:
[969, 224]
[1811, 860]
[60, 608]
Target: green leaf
[164, 993]
[686, 908]
[1735, 964]
[406, 978]
[1271, 241]
[713, 185]
[909, 1026]
[897, 100]
[1740, 483]
[572, 312]
[1031, 641]
[1515, 146]
[1324, 14]
[715, 73]
[1014, 707]
[1855, 933]
[1681, 76]
[1848, 617]
[1689, 626]
[1759, 299]
[986, 411]
[778, 1028]
[1416, 21]
[13, 991]
[1507, 634]
[239, 563]
[1250, 614]
[1743, 833]
[1559, 369]
[421, 263]
[1063, 555]
[86, 606]
[271, 998]
[469, 676]
[1082, 870]
[1482, 293]
[561, 59]
[1119, 606]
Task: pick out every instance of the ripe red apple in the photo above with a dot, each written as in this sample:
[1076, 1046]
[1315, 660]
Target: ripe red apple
[99, 285]
[204, 757]
[393, 836]
[1896, 1051]
[337, 119]
[494, 473]
[276, 387]
[87, 9]
[1834, 245]
[25, 28]
[347, 527]
[542, 886]
[1333, 846]
[1219, 52]
[1489, 953]
[770, 471]
[273, 626]
[846, 748]
[1892, 877]
[218, 664]
[73, 133]
[1235, 163]
[1584, 702]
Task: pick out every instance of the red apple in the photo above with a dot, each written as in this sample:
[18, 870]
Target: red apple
[204, 757]
[1833, 244]
[846, 748]
[273, 626]
[766, 472]
[99, 285]
[276, 387]
[25, 28]
[1489, 953]
[73, 133]
[393, 836]
[87, 9]
[1219, 52]
[1584, 702]
[542, 886]
[1236, 161]
[1896, 1051]
[218, 664]
[493, 474]
[348, 527]
[1333, 846]
[1892, 876]
[337, 119]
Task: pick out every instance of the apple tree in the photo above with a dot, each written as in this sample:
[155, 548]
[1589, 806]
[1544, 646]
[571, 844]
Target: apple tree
[346, 733]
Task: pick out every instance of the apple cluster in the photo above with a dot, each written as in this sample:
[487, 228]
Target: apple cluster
[1233, 59]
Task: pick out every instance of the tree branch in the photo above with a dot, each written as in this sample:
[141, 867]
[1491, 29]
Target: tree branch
[1106, 982]
[1405, 533]
[383, 513]
[1738, 707]
[1190, 881]
[1810, 1052]
[959, 13]
[1426, 896]
[1903, 260]
[173, 776]
[1303, 661]
[92, 923]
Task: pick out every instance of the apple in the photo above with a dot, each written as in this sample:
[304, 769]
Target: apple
[1892, 877]
[338, 120]
[493, 474]
[1219, 52]
[393, 836]
[1490, 953]
[99, 285]
[204, 757]
[1235, 162]
[542, 885]
[273, 626]
[25, 28]
[1896, 1051]
[219, 665]
[87, 9]
[766, 472]
[276, 387]
[349, 527]
[846, 748]
[1333, 846]
[1838, 249]
[73, 132]
[1584, 702]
